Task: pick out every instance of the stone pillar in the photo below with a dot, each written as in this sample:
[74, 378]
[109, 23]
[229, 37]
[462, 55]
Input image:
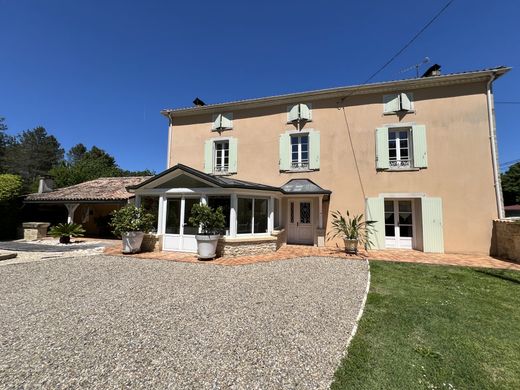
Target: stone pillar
[34, 230]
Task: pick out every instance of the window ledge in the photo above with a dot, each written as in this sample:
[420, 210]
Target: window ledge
[223, 173]
[400, 169]
[298, 170]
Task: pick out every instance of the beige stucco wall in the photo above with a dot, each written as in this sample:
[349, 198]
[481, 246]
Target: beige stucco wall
[459, 157]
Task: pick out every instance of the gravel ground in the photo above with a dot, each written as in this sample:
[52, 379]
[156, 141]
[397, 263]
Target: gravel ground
[114, 322]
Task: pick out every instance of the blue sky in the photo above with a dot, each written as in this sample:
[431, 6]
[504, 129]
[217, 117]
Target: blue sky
[99, 72]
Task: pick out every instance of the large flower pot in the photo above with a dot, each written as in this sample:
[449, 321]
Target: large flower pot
[132, 241]
[350, 245]
[64, 239]
[207, 246]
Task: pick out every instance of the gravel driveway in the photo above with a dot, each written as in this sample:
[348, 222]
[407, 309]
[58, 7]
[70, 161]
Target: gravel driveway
[114, 322]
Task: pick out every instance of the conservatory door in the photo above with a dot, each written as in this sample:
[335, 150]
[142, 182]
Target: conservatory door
[179, 235]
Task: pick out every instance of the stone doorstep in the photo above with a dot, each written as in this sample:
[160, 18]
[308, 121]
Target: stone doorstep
[7, 255]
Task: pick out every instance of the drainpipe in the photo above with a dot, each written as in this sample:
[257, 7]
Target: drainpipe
[170, 124]
[493, 142]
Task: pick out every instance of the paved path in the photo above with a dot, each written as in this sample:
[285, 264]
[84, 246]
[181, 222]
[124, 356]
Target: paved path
[118, 322]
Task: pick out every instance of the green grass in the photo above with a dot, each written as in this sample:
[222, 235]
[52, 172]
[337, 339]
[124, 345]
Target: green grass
[436, 327]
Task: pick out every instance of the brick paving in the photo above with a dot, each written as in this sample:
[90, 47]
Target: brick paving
[299, 251]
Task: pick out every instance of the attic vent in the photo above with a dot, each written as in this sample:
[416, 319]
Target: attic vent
[299, 112]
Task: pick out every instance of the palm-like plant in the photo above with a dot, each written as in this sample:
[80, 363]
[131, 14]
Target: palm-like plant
[65, 231]
[352, 228]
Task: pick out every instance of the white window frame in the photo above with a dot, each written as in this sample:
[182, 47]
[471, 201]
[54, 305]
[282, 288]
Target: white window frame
[220, 154]
[398, 163]
[252, 232]
[300, 164]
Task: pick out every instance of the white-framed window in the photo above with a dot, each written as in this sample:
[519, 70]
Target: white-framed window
[300, 151]
[400, 148]
[221, 156]
[252, 215]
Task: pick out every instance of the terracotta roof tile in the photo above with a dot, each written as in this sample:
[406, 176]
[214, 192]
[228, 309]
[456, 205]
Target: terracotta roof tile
[105, 188]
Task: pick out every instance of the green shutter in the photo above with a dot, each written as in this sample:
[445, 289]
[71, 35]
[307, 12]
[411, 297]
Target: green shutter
[432, 227]
[293, 113]
[420, 155]
[382, 159]
[217, 122]
[391, 103]
[314, 153]
[233, 153]
[208, 156]
[285, 152]
[406, 101]
[375, 211]
[227, 120]
[305, 112]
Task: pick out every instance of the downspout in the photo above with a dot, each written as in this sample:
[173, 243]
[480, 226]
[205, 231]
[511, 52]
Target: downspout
[170, 124]
[494, 156]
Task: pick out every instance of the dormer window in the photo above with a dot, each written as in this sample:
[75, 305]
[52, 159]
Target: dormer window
[222, 122]
[299, 113]
[398, 103]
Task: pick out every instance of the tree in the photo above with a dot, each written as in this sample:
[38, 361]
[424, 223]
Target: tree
[511, 185]
[10, 203]
[32, 154]
[10, 187]
[83, 165]
[4, 140]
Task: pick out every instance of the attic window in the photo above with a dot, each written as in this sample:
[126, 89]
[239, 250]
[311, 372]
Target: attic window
[299, 113]
[222, 122]
[398, 103]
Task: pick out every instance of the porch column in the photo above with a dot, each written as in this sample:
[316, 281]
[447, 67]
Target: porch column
[71, 208]
[161, 215]
[270, 213]
[233, 216]
[320, 209]
[204, 199]
[137, 200]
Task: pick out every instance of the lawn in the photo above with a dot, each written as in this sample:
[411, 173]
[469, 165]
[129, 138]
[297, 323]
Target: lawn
[436, 327]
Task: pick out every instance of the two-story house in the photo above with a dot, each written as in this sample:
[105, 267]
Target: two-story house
[418, 156]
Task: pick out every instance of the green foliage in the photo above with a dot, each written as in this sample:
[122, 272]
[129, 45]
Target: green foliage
[511, 185]
[32, 154]
[131, 219]
[210, 221]
[10, 187]
[67, 230]
[83, 165]
[352, 228]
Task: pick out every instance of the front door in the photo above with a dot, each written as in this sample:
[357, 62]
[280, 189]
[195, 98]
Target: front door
[300, 225]
[179, 234]
[399, 223]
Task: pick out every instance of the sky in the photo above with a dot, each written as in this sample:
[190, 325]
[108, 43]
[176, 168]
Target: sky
[99, 72]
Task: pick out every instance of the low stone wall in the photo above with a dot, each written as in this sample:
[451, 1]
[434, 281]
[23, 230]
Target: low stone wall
[507, 239]
[281, 237]
[234, 247]
[151, 243]
[34, 230]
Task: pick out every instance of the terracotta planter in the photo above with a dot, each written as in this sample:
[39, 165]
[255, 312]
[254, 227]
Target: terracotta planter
[65, 240]
[351, 245]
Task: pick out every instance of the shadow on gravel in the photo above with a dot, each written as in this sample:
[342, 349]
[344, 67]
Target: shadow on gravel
[26, 247]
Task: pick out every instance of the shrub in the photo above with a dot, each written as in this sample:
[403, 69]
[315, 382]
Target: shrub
[131, 219]
[66, 230]
[352, 228]
[210, 221]
[10, 187]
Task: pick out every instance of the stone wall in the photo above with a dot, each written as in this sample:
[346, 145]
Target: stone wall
[506, 237]
[246, 247]
[34, 230]
[151, 243]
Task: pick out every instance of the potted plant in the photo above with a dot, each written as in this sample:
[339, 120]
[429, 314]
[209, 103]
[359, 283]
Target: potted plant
[65, 231]
[212, 223]
[131, 223]
[353, 230]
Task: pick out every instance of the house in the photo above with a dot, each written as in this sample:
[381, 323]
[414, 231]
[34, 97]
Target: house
[418, 156]
[89, 203]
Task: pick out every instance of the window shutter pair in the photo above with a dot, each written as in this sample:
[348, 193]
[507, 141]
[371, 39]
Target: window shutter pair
[431, 217]
[223, 121]
[420, 155]
[397, 102]
[314, 151]
[209, 158]
[299, 112]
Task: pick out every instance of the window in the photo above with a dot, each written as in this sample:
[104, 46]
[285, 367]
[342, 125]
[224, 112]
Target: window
[300, 151]
[221, 157]
[399, 149]
[399, 102]
[221, 201]
[252, 215]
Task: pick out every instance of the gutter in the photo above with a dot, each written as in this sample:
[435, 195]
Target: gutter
[493, 142]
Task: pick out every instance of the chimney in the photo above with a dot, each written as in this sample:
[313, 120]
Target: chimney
[198, 102]
[46, 185]
[434, 70]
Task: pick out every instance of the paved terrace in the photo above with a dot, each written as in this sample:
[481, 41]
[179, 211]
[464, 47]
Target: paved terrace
[298, 251]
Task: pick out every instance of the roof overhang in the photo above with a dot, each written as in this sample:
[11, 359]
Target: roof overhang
[79, 201]
[342, 92]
